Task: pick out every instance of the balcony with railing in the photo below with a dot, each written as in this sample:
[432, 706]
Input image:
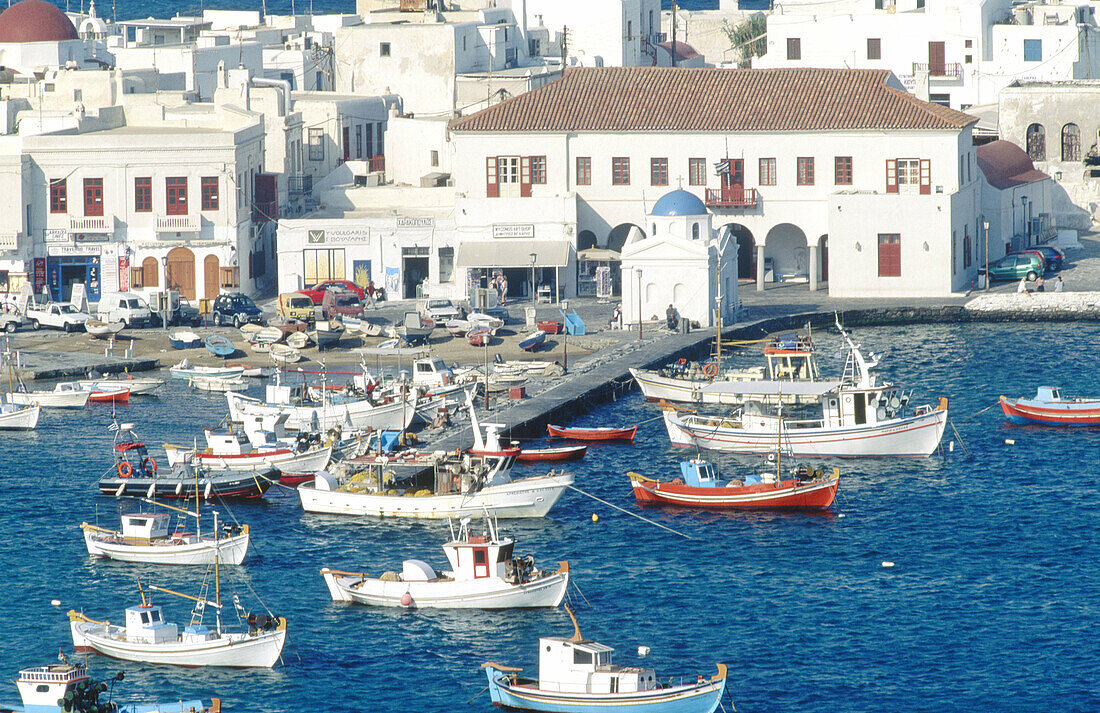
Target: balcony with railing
[730, 197]
[650, 42]
[263, 211]
[299, 185]
[91, 224]
[178, 223]
[945, 70]
[376, 163]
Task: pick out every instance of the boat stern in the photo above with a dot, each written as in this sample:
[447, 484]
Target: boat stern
[679, 435]
[336, 589]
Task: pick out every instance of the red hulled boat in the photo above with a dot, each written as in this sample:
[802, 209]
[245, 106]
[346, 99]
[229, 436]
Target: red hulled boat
[118, 396]
[700, 488]
[592, 434]
[534, 455]
[1050, 408]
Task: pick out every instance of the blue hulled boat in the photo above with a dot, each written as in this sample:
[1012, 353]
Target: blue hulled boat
[184, 340]
[218, 345]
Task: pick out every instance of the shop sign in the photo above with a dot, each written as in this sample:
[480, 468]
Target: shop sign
[333, 236]
[56, 235]
[428, 222]
[39, 274]
[514, 230]
[86, 249]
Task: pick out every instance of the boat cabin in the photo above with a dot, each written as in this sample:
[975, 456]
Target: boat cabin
[284, 394]
[129, 450]
[42, 686]
[193, 633]
[699, 474]
[570, 666]
[432, 372]
[1048, 394]
[145, 527]
[145, 625]
[478, 556]
[856, 407]
[790, 358]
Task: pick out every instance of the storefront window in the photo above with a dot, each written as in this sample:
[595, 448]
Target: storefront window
[446, 264]
[323, 264]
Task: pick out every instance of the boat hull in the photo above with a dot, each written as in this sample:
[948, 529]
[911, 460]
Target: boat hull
[230, 550]
[487, 593]
[525, 497]
[655, 387]
[252, 484]
[593, 434]
[701, 697]
[912, 436]
[538, 455]
[238, 650]
[284, 460]
[185, 373]
[785, 495]
[116, 396]
[20, 419]
[142, 386]
[51, 399]
[356, 415]
[1028, 411]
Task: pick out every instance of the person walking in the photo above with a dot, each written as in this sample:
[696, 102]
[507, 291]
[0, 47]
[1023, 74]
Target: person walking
[503, 290]
[368, 293]
[1059, 286]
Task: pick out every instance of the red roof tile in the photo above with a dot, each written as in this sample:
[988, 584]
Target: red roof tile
[709, 99]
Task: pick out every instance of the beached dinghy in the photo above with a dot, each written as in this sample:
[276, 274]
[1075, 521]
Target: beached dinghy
[103, 330]
[532, 341]
[184, 340]
[483, 575]
[576, 675]
[1050, 408]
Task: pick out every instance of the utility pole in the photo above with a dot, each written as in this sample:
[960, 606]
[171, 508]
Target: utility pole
[564, 46]
[672, 54]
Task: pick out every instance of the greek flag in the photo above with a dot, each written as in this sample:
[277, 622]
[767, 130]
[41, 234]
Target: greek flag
[722, 167]
[113, 426]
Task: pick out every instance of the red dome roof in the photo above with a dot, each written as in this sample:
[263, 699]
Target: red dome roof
[35, 21]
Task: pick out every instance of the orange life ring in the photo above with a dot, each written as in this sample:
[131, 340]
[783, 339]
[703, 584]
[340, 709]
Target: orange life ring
[710, 370]
[125, 470]
[150, 465]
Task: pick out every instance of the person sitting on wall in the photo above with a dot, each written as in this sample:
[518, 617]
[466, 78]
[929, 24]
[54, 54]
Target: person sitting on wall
[672, 317]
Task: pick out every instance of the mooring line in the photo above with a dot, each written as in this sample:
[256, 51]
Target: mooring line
[632, 514]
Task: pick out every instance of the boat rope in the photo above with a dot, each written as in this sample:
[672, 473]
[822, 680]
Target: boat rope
[978, 413]
[632, 514]
[483, 690]
[574, 583]
[961, 442]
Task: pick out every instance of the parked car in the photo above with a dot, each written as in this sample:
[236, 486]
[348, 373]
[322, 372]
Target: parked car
[345, 304]
[1015, 266]
[1054, 257]
[317, 292]
[296, 305]
[1032, 251]
[127, 307]
[58, 315]
[439, 310]
[10, 322]
[237, 309]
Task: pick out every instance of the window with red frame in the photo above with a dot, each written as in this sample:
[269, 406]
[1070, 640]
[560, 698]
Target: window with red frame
[538, 169]
[143, 195]
[59, 198]
[697, 172]
[658, 171]
[176, 195]
[805, 170]
[584, 170]
[843, 170]
[210, 193]
[620, 171]
[93, 196]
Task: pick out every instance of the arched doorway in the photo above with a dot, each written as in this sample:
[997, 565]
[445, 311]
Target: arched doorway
[586, 239]
[746, 253]
[211, 277]
[786, 254]
[150, 272]
[621, 234]
[181, 272]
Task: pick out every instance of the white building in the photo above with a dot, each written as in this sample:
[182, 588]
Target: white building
[683, 264]
[826, 167]
[959, 53]
[611, 33]
[1016, 200]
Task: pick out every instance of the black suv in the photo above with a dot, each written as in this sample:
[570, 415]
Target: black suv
[237, 309]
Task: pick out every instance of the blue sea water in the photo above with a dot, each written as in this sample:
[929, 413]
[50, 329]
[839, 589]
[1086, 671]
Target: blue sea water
[993, 603]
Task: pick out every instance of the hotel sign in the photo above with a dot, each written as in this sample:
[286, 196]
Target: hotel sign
[514, 230]
[330, 236]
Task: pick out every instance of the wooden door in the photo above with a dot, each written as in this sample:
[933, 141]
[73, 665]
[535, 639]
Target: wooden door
[733, 181]
[93, 196]
[211, 284]
[937, 59]
[181, 272]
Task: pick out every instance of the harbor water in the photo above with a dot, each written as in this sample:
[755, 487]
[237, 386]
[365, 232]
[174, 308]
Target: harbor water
[992, 602]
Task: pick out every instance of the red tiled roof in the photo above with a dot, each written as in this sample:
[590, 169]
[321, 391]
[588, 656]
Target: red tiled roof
[1005, 165]
[709, 99]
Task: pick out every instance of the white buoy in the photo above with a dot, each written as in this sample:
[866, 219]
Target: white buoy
[121, 489]
[55, 602]
[152, 489]
[1009, 442]
[887, 564]
[840, 515]
[643, 651]
[950, 446]
[209, 489]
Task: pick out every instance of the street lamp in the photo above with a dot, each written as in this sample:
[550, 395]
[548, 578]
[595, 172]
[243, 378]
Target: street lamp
[534, 257]
[638, 272]
[985, 226]
[164, 296]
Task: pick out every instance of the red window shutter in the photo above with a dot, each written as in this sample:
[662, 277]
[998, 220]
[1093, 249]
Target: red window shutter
[891, 175]
[525, 176]
[492, 188]
[925, 176]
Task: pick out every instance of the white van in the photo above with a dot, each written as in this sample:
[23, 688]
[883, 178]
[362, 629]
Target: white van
[127, 307]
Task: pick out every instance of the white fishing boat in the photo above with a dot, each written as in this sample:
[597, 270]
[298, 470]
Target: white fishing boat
[14, 417]
[441, 487]
[185, 370]
[232, 450]
[66, 688]
[283, 355]
[146, 538]
[346, 413]
[218, 383]
[137, 385]
[64, 395]
[326, 332]
[484, 574]
[297, 340]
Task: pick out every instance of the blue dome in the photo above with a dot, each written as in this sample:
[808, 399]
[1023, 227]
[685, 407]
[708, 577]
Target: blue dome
[679, 202]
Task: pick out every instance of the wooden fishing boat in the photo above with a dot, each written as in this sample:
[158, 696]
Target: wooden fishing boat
[66, 687]
[532, 341]
[64, 395]
[700, 487]
[484, 575]
[184, 340]
[282, 354]
[219, 346]
[138, 385]
[120, 395]
[576, 675]
[592, 434]
[537, 455]
[479, 336]
[327, 331]
[146, 538]
[15, 417]
[350, 413]
[228, 450]
[550, 326]
[184, 370]
[1050, 408]
[488, 321]
[218, 383]
[103, 330]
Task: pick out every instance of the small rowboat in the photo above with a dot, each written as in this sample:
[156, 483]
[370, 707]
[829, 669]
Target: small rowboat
[297, 340]
[536, 455]
[550, 326]
[1050, 408]
[184, 340]
[118, 396]
[218, 345]
[103, 330]
[592, 434]
[532, 341]
[282, 354]
[479, 336]
[218, 383]
[458, 327]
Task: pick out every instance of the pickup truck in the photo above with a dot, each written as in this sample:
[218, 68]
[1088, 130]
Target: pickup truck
[57, 315]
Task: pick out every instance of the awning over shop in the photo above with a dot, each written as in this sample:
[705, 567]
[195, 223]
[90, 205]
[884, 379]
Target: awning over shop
[513, 253]
[599, 255]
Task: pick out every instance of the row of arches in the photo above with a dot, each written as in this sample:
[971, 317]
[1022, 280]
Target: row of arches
[1036, 142]
[180, 273]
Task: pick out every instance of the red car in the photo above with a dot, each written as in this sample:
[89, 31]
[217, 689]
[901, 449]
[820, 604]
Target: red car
[317, 292]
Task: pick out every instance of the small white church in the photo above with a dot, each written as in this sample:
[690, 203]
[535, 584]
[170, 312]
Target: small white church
[679, 261]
